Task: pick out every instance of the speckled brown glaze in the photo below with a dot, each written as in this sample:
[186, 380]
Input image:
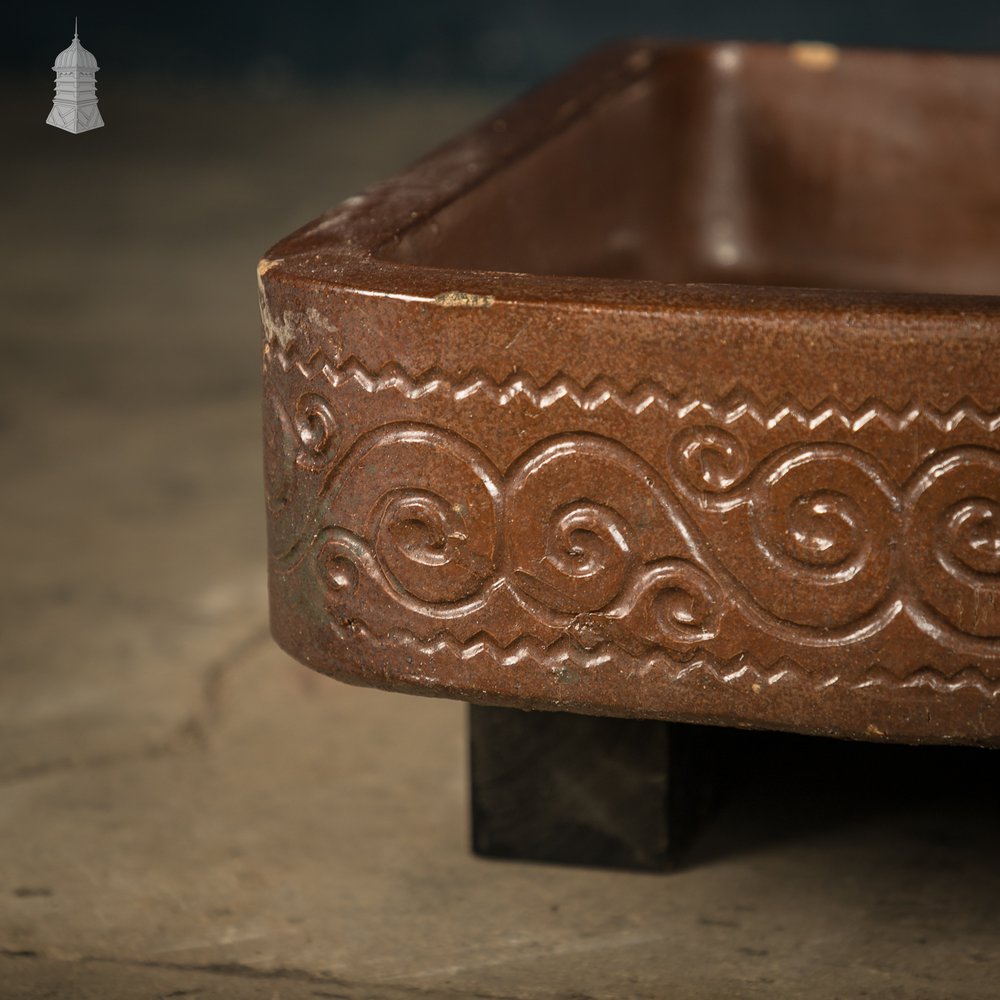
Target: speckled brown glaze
[671, 391]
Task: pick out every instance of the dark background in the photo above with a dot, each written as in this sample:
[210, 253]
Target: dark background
[508, 42]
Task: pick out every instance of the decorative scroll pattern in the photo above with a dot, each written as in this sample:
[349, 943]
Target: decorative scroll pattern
[748, 519]
[838, 550]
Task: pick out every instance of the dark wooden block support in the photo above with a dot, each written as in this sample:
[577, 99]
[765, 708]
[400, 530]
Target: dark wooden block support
[575, 789]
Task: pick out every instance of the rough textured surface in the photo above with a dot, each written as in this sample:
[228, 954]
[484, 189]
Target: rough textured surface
[672, 391]
[183, 809]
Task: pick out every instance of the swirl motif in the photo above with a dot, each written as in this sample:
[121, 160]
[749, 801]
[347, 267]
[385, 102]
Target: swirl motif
[579, 558]
[970, 538]
[672, 601]
[315, 427]
[954, 534]
[823, 518]
[826, 531]
[338, 573]
[820, 532]
[444, 558]
[432, 548]
[583, 538]
[709, 459]
[418, 528]
[831, 550]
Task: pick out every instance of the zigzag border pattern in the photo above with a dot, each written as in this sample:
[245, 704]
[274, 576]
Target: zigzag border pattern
[739, 404]
[564, 650]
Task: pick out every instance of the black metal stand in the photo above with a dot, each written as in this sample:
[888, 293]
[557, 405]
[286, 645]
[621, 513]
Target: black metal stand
[574, 789]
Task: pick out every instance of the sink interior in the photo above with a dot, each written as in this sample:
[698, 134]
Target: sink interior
[765, 165]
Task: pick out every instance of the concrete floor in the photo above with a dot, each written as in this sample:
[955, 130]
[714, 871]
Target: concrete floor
[186, 812]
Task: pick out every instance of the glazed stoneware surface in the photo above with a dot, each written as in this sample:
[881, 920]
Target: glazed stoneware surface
[671, 391]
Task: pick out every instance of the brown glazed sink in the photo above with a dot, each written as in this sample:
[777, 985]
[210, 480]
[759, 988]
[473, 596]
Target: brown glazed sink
[671, 391]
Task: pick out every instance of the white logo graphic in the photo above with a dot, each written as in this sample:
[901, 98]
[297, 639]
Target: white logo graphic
[75, 107]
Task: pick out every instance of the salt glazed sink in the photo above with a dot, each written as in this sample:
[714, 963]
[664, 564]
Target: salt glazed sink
[671, 391]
